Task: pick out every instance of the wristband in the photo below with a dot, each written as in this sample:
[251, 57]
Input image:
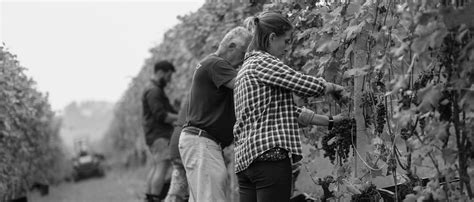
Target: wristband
[331, 122]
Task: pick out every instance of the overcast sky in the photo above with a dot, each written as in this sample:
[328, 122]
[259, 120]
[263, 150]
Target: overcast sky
[86, 50]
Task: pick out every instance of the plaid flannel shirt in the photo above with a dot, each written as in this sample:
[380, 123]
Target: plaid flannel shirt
[266, 115]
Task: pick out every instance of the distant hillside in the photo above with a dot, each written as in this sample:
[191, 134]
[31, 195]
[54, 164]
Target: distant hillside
[85, 120]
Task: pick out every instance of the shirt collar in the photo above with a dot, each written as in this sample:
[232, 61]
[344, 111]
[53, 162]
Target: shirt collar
[157, 83]
[259, 53]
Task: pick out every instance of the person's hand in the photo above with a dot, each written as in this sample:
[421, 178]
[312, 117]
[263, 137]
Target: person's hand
[344, 98]
[342, 116]
[338, 93]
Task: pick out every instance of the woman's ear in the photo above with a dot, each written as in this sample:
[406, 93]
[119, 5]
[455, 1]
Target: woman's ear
[272, 36]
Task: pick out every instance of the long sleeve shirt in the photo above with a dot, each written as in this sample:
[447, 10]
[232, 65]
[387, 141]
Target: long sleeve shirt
[266, 115]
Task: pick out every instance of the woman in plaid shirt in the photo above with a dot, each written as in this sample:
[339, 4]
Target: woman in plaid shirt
[266, 132]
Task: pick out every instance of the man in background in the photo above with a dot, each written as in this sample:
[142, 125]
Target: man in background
[158, 119]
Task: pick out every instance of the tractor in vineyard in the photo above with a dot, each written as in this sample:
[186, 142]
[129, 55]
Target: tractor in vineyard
[87, 164]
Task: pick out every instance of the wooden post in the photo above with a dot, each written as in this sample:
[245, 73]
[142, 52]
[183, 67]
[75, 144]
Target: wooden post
[359, 60]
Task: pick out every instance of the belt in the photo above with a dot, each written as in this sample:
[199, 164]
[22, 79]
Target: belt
[274, 154]
[201, 133]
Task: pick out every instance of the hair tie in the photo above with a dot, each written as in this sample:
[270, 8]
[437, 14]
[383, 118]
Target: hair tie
[256, 20]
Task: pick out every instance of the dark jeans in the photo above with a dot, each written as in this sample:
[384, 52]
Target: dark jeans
[267, 181]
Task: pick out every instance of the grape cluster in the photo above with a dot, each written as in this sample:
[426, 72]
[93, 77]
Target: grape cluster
[338, 140]
[445, 107]
[381, 114]
[379, 80]
[325, 183]
[403, 190]
[405, 101]
[370, 193]
[392, 164]
[405, 134]
[422, 123]
[423, 79]
[409, 131]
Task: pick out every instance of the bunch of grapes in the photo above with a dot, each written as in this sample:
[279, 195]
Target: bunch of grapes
[422, 123]
[403, 190]
[381, 114]
[405, 101]
[392, 164]
[338, 140]
[369, 193]
[445, 107]
[379, 80]
[328, 180]
[405, 134]
[423, 79]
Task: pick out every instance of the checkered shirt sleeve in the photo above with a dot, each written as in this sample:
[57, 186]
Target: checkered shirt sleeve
[266, 116]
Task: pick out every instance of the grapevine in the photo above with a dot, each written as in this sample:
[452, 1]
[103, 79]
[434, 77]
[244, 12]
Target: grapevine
[406, 133]
[325, 183]
[379, 80]
[380, 117]
[370, 193]
[445, 107]
[423, 79]
[30, 145]
[339, 140]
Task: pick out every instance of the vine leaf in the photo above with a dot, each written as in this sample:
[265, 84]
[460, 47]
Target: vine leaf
[418, 161]
[397, 52]
[354, 31]
[453, 18]
[420, 44]
[376, 173]
[353, 8]
[438, 130]
[308, 67]
[398, 84]
[328, 47]
[357, 71]
[348, 51]
[313, 153]
[324, 60]
[411, 198]
[423, 18]
[429, 97]
[369, 160]
[467, 100]
[449, 155]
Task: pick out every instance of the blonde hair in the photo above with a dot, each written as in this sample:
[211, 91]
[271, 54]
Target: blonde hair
[239, 36]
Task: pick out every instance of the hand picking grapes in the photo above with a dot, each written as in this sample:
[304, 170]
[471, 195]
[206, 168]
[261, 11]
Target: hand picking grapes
[338, 93]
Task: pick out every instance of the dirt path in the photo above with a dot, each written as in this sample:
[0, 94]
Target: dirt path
[117, 186]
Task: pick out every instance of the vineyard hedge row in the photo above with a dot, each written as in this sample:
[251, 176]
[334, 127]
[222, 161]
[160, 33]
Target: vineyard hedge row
[30, 146]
